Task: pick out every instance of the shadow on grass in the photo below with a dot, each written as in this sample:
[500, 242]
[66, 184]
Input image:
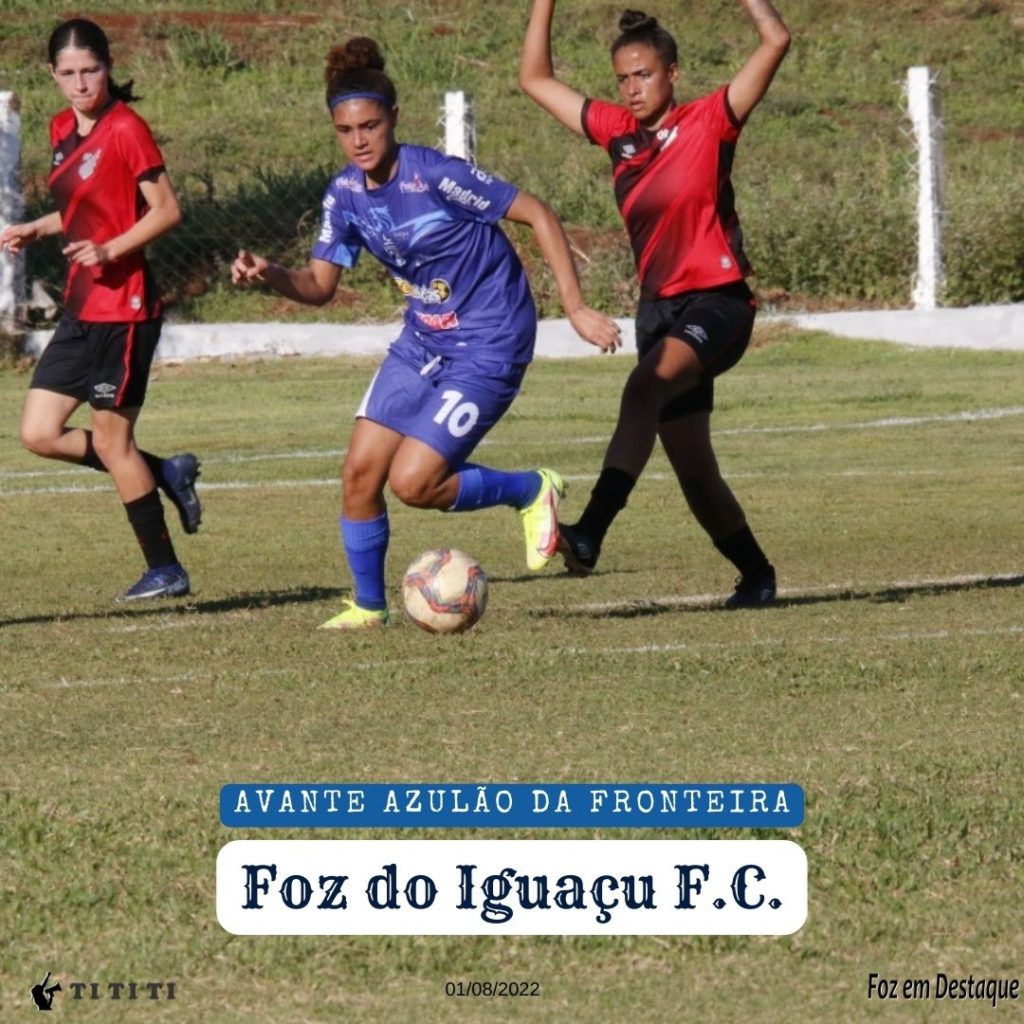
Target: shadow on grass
[248, 601]
[892, 594]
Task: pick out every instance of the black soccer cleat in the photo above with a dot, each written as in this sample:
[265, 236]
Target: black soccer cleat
[179, 479]
[754, 591]
[578, 551]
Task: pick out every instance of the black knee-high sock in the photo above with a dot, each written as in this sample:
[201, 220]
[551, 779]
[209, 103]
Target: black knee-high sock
[607, 500]
[146, 515]
[93, 461]
[745, 553]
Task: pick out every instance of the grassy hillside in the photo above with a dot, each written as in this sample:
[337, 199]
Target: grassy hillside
[824, 174]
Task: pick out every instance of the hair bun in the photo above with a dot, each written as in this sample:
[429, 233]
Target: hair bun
[359, 52]
[636, 21]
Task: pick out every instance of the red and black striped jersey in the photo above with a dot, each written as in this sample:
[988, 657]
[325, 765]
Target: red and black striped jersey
[674, 192]
[95, 183]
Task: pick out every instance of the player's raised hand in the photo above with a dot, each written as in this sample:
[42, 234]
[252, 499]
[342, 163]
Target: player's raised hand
[248, 267]
[596, 328]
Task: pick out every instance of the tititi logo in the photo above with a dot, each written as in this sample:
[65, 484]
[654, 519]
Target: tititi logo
[42, 996]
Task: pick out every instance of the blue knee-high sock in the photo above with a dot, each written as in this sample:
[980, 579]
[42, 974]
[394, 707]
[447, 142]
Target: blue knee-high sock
[481, 487]
[366, 544]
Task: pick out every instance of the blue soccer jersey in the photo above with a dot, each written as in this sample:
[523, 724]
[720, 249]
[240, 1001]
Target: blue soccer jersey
[434, 225]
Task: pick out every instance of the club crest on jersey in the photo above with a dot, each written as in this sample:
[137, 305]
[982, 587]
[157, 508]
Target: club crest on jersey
[666, 137]
[89, 162]
[438, 291]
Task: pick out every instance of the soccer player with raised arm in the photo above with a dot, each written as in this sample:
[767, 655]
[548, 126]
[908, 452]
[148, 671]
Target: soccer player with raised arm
[671, 165]
[468, 335]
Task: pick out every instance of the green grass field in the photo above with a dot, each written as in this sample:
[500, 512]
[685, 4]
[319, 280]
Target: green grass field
[885, 483]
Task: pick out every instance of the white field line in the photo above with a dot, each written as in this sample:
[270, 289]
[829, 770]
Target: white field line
[697, 600]
[966, 416]
[579, 652]
[333, 481]
[547, 653]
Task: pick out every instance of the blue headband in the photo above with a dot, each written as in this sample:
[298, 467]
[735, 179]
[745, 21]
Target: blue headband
[379, 97]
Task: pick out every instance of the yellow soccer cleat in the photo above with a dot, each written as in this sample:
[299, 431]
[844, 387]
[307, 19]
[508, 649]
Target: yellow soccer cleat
[540, 520]
[352, 617]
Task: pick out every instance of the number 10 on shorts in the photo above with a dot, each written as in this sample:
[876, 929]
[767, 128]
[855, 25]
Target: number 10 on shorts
[461, 416]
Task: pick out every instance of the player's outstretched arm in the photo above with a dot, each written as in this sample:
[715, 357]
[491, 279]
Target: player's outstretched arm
[751, 82]
[313, 284]
[15, 237]
[590, 325]
[537, 73]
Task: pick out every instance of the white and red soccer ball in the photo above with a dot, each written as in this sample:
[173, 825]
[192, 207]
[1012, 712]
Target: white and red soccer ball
[445, 591]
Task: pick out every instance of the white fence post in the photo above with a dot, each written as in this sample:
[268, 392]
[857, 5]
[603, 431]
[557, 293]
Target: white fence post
[459, 127]
[927, 126]
[12, 208]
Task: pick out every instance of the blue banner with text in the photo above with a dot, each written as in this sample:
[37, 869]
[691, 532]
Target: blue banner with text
[514, 805]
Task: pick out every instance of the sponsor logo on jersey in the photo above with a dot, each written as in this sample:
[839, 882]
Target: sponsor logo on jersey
[696, 332]
[439, 321]
[326, 229]
[343, 181]
[438, 291]
[463, 196]
[416, 185]
[329, 202]
[89, 162]
[482, 175]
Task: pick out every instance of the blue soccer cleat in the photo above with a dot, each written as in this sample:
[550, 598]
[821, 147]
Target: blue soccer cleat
[179, 480]
[164, 581]
[755, 591]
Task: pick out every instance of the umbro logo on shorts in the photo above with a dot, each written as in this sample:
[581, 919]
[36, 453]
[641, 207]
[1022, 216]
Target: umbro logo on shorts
[696, 332]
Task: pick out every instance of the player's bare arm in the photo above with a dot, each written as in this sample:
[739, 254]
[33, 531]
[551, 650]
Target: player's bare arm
[163, 214]
[751, 82]
[590, 325]
[15, 237]
[312, 285]
[537, 75]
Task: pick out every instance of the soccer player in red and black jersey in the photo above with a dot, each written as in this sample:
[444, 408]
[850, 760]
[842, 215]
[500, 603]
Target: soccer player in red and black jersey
[113, 197]
[671, 165]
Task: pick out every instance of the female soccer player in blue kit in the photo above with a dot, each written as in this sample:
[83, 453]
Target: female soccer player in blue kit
[469, 330]
[671, 165]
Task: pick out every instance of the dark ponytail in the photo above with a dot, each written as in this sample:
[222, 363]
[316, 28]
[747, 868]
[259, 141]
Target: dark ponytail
[357, 69]
[637, 28]
[83, 34]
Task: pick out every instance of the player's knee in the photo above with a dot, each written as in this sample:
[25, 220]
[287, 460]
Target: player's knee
[38, 442]
[643, 390]
[358, 479]
[412, 488]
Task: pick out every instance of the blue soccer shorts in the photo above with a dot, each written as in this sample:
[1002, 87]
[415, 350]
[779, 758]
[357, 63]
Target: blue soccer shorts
[447, 403]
